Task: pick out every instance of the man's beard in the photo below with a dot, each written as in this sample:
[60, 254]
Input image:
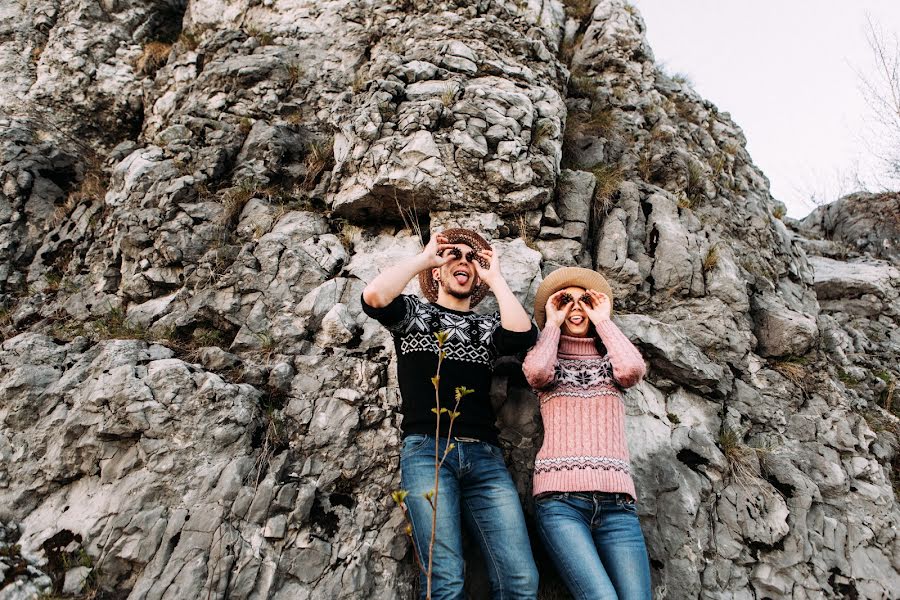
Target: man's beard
[460, 294]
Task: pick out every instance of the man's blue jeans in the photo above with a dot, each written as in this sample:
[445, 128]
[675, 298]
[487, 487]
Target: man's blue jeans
[596, 543]
[475, 489]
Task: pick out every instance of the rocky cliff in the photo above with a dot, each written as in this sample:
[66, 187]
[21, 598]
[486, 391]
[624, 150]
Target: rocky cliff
[195, 192]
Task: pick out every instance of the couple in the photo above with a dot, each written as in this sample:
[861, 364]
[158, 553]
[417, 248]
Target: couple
[584, 495]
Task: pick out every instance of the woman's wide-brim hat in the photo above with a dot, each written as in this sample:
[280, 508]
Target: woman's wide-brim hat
[457, 235]
[563, 278]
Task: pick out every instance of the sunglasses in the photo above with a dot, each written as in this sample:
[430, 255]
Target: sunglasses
[567, 298]
[457, 254]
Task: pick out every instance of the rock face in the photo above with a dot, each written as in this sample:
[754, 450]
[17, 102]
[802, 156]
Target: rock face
[194, 194]
[866, 223]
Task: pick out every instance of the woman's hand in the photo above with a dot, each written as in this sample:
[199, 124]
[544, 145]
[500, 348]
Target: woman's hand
[491, 275]
[599, 309]
[557, 314]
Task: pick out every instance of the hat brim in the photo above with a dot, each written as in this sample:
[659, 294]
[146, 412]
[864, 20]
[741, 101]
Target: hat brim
[457, 235]
[567, 277]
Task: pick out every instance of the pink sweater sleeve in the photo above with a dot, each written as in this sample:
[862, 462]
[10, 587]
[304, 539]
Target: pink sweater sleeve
[627, 362]
[540, 363]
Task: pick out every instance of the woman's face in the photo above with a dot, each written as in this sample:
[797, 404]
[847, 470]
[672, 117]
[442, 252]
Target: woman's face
[577, 322]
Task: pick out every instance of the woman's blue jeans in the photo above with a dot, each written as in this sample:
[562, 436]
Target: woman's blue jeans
[475, 489]
[596, 543]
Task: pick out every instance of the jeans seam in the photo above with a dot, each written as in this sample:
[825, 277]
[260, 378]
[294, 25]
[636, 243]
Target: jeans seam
[549, 541]
[487, 546]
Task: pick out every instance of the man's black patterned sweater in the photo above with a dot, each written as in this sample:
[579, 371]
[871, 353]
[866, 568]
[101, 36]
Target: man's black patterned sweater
[473, 344]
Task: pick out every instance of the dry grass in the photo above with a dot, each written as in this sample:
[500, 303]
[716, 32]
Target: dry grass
[645, 162]
[732, 149]
[294, 72]
[779, 212]
[275, 439]
[711, 259]
[92, 188]
[567, 48]
[579, 9]
[743, 464]
[544, 130]
[449, 96]
[599, 121]
[682, 79]
[794, 372]
[154, 56]
[695, 188]
[188, 40]
[263, 37]
[608, 177]
[718, 163]
[360, 82]
[234, 200]
[319, 156]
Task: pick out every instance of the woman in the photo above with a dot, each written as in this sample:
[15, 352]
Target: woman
[584, 495]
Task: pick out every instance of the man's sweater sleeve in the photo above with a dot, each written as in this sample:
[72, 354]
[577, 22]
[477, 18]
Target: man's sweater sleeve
[627, 363]
[391, 316]
[540, 364]
[508, 342]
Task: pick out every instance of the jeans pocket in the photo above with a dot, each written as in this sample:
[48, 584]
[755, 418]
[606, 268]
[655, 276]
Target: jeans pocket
[495, 451]
[545, 498]
[413, 442]
[629, 506]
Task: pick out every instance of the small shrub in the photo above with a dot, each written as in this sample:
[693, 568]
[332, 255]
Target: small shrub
[673, 418]
[779, 212]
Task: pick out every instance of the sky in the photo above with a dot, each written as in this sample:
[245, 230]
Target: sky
[788, 71]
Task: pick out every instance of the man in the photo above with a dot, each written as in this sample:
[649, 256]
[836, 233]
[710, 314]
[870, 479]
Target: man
[455, 271]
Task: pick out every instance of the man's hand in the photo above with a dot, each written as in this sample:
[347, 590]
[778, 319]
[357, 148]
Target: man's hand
[599, 309]
[490, 276]
[432, 254]
[389, 284]
[556, 314]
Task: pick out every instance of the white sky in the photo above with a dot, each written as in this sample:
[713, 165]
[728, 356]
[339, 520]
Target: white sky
[786, 70]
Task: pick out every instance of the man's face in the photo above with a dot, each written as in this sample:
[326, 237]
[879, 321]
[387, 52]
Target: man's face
[457, 276]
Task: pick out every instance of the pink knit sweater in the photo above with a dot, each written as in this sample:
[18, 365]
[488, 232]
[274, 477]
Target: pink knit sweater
[581, 404]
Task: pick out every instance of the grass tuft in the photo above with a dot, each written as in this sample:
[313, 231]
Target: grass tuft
[712, 258]
[579, 9]
[153, 57]
[319, 156]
